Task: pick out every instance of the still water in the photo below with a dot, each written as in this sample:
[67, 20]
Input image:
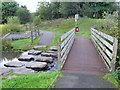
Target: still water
[13, 56]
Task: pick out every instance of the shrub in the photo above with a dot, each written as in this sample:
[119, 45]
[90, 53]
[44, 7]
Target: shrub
[13, 24]
[6, 44]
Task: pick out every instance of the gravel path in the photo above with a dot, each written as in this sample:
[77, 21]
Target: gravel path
[20, 35]
[46, 38]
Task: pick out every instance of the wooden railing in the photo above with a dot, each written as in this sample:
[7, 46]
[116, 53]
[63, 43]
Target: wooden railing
[107, 46]
[64, 45]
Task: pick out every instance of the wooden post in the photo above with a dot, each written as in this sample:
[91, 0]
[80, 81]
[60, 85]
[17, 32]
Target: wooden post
[31, 36]
[59, 54]
[35, 31]
[114, 56]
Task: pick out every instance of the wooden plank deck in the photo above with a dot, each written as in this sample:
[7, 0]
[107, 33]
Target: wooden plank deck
[84, 58]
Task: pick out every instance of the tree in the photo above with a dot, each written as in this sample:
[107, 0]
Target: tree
[0, 12]
[13, 20]
[48, 11]
[13, 24]
[8, 9]
[23, 14]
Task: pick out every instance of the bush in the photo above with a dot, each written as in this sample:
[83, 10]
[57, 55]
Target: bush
[110, 26]
[13, 24]
[6, 44]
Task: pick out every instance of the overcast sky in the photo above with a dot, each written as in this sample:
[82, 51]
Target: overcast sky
[32, 4]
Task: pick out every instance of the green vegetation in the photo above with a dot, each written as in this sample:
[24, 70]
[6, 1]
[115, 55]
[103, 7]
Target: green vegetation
[1, 26]
[24, 44]
[110, 26]
[55, 10]
[37, 80]
[13, 9]
[113, 78]
[6, 44]
[60, 26]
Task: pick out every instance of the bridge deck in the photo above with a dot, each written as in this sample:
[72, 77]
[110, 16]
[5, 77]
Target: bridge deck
[84, 58]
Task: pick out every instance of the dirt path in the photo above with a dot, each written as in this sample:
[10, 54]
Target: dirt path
[83, 68]
[46, 38]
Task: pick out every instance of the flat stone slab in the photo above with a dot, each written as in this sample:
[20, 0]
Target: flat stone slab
[23, 71]
[39, 47]
[54, 48]
[51, 51]
[46, 54]
[4, 71]
[44, 59]
[36, 65]
[26, 58]
[34, 52]
[49, 54]
[14, 64]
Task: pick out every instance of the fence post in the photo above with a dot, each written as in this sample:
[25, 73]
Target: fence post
[115, 46]
[59, 54]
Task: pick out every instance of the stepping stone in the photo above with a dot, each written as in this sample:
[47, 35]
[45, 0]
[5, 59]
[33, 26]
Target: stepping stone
[46, 54]
[54, 48]
[4, 71]
[36, 65]
[23, 71]
[39, 47]
[26, 58]
[49, 54]
[34, 52]
[51, 51]
[44, 59]
[14, 64]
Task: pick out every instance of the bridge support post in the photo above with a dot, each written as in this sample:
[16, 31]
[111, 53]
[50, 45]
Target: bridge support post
[115, 46]
[59, 55]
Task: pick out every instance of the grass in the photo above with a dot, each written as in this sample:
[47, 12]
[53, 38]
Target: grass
[60, 26]
[37, 80]
[24, 44]
[112, 78]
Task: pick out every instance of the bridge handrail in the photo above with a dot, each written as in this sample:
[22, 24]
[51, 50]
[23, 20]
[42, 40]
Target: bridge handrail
[107, 46]
[64, 46]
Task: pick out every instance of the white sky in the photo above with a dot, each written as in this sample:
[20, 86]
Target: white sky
[31, 4]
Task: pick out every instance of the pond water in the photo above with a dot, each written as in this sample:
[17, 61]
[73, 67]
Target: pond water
[8, 56]
[13, 56]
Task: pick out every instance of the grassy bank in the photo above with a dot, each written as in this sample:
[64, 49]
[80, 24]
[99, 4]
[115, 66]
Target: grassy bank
[24, 44]
[37, 80]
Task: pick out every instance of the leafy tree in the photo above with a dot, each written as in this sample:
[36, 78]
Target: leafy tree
[0, 12]
[13, 24]
[36, 20]
[13, 20]
[8, 9]
[67, 9]
[23, 14]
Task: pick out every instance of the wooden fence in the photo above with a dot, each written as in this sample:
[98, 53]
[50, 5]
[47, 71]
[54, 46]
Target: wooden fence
[107, 46]
[64, 45]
